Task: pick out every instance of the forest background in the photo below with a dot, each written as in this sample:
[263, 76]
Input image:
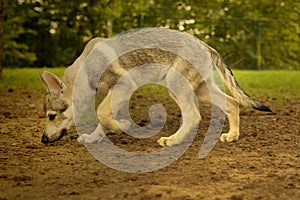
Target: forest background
[260, 34]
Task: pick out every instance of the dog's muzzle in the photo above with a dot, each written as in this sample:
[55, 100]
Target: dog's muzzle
[46, 140]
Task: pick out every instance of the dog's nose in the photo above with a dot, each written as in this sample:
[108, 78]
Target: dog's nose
[45, 139]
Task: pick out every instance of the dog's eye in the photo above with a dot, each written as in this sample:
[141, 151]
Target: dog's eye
[63, 110]
[51, 117]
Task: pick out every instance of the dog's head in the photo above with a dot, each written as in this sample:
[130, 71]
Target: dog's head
[57, 108]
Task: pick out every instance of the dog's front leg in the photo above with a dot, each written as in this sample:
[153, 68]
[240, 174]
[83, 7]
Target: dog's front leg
[96, 136]
[106, 122]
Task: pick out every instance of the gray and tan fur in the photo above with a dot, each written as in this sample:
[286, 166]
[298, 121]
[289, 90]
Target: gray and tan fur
[58, 103]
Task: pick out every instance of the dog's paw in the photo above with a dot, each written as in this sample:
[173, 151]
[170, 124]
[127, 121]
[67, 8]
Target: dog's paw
[79, 140]
[229, 137]
[89, 139]
[124, 124]
[82, 138]
[167, 141]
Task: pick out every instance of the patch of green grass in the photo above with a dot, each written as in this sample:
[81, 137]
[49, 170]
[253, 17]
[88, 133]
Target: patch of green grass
[25, 78]
[259, 84]
[270, 84]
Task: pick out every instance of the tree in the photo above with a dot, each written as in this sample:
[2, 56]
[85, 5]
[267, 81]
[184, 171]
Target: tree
[249, 34]
[253, 34]
[2, 9]
[18, 45]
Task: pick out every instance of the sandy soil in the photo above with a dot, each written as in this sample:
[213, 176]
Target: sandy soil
[263, 164]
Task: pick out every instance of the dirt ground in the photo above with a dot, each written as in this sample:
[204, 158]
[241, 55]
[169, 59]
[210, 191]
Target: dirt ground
[263, 164]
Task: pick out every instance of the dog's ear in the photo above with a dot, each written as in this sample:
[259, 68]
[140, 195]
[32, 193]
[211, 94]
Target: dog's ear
[53, 84]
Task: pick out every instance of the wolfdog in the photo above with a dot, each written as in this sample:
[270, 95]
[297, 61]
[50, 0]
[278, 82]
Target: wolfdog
[58, 101]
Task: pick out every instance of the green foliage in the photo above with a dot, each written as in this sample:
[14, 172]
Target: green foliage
[16, 52]
[262, 34]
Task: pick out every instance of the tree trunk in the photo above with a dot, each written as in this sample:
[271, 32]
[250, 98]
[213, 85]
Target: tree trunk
[2, 8]
[109, 28]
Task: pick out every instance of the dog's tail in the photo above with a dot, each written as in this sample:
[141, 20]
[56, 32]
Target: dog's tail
[233, 86]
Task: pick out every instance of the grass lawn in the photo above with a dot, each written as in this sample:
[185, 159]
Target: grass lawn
[262, 84]
[272, 84]
[25, 78]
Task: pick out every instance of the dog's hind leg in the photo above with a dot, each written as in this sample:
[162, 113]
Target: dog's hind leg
[227, 104]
